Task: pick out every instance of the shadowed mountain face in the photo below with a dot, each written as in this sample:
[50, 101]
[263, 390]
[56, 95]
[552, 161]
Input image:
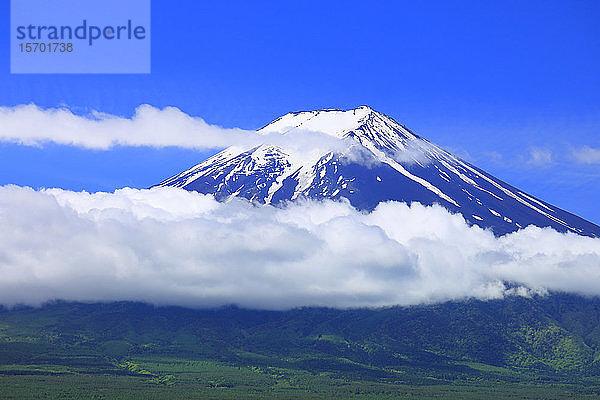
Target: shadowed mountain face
[377, 160]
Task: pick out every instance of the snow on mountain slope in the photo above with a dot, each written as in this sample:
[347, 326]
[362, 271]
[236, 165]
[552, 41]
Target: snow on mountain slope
[380, 160]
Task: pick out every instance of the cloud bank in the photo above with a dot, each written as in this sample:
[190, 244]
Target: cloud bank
[149, 126]
[31, 125]
[170, 246]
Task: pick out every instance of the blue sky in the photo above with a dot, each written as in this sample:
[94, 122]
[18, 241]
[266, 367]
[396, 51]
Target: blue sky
[511, 86]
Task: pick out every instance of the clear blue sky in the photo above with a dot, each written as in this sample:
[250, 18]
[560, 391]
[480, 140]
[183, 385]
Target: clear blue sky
[496, 82]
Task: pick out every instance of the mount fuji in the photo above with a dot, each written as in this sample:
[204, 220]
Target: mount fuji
[371, 158]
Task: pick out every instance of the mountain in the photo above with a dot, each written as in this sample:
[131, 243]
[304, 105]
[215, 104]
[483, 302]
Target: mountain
[368, 158]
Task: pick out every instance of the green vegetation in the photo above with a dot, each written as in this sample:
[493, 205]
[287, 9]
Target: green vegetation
[518, 348]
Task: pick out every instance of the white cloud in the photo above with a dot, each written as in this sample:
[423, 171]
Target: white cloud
[170, 246]
[540, 157]
[149, 126]
[33, 126]
[587, 155]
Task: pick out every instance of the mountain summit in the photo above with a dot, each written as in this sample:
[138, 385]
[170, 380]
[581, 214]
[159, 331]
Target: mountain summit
[371, 158]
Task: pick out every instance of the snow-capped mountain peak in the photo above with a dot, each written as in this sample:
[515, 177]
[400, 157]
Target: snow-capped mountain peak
[371, 158]
[362, 123]
[332, 122]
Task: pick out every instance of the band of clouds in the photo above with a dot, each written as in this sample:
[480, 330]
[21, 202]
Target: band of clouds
[31, 125]
[149, 126]
[171, 246]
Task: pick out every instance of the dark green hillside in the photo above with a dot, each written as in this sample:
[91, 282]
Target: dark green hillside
[545, 347]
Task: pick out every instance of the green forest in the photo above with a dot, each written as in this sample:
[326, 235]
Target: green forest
[545, 347]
